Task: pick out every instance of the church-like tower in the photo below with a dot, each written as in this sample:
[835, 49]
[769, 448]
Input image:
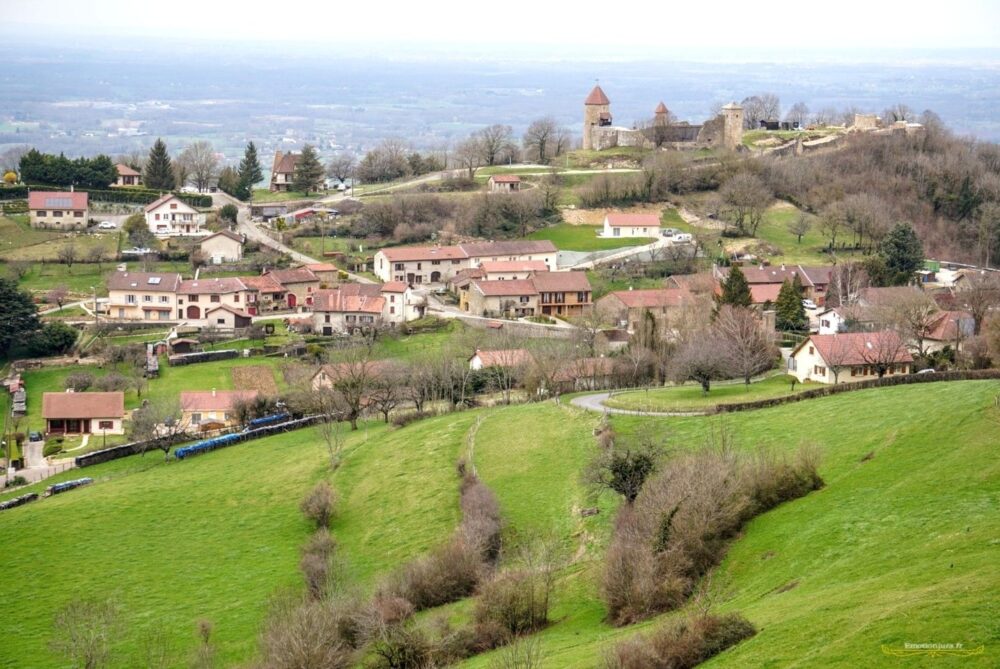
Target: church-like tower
[596, 112]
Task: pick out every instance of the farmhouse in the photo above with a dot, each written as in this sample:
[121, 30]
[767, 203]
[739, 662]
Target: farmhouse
[563, 293]
[628, 308]
[631, 225]
[127, 176]
[265, 294]
[58, 209]
[815, 281]
[514, 299]
[222, 247]
[142, 296]
[211, 409]
[348, 310]
[299, 284]
[949, 328]
[83, 413]
[439, 264]
[850, 356]
[170, 216]
[504, 183]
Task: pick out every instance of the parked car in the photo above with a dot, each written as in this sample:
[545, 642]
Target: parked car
[106, 225]
[670, 232]
[682, 238]
[929, 370]
[809, 304]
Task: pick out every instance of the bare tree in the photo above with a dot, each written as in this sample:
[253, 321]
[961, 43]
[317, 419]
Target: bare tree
[468, 155]
[201, 160]
[341, 166]
[745, 197]
[846, 283]
[839, 355]
[882, 350]
[57, 295]
[832, 222]
[746, 348]
[898, 112]
[352, 374]
[84, 631]
[760, 107]
[493, 141]
[700, 359]
[798, 113]
[799, 226]
[97, 254]
[540, 139]
[67, 254]
[157, 424]
[386, 393]
[980, 294]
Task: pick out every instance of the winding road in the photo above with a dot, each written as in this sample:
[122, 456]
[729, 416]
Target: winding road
[595, 402]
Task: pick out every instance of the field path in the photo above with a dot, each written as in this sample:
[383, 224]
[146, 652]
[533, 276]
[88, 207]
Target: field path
[595, 402]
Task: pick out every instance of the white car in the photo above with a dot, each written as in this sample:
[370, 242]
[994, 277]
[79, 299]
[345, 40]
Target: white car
[809, 304]
[106, 225]
[682, 238]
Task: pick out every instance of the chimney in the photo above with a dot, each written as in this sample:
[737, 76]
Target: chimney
[71, 188]
[782, 267]
[213, 392]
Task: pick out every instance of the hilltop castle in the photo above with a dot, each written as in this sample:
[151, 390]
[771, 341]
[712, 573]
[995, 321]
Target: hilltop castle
[724, 130]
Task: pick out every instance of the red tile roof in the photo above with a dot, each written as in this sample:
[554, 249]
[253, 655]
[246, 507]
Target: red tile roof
[858, 348]
[652, 297]
[949, 326]
[284, 162]
[518, 247]
[764, 292]
[214, 400]
[320, 267]
[394, 287]
[296, 275]
[513, 266]
[512, 357]
[229, 234]
[83, 405]
[661, 108]
[505, 288]
[412, 253]
[561, 282]
[44, 199]
[263, 284]
[156, 282]
[126, 171]
[230, 309]
[597, 97]
[633, 220]
[339, 301]
[214, 286]
[505, 179]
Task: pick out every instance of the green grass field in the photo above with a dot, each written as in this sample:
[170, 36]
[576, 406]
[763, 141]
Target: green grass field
[900, 546]
[689, 397]
[49, 250]
[568, 237]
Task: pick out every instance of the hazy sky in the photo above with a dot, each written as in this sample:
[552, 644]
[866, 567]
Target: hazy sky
[840, 26]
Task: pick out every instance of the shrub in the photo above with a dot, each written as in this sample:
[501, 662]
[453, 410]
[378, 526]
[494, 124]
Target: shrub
[54, 338]
[318, 505]
[229, 212]
[307, 634]
[316, 563]
[680, 644]
[51, 449]
[481, 522]
[16, 481]
[110, 382]
[79, 381]
[401, 647]
[404, 419]
[517, 601]
[449, 573]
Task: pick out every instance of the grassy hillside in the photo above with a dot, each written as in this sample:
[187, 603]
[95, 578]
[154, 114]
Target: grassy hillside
[899, 547]
[568, 237]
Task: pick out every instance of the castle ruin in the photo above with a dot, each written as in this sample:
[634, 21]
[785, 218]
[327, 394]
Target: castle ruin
[725, 130]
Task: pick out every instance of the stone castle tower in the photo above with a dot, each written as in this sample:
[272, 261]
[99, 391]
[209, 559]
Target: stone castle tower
[732, 128]
[596, 113]
[661, 115]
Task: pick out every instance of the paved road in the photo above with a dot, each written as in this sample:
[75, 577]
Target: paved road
[595, 402]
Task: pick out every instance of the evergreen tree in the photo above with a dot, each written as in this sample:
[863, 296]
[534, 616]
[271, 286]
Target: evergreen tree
[250, 173]
[229, 182]
[18, 315]
[790, 315]
[903, 254]
[735, 289]
[308, 171]
[159, 172]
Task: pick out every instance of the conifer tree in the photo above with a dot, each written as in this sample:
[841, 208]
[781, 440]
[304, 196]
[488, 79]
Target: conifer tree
[903, 254]
[308, 170]
[735, 289]
[790, 315]
[159, 172]
[250, 172]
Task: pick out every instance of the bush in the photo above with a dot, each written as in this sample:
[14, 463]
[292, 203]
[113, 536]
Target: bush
[308, 634]
[680, 644]
[54, 338]
[111, 382]
[449, 573]
[16, 481]
[79, 381]
[318, 505]
[404, 419]
[401, 647]
[229, 212]
[481, 522]
[15, 192]
[51, 449]
[316, 562]
[516, 601]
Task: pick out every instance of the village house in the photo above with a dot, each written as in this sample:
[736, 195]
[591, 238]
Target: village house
[170, 216]
[283, 171]
[226, 317]
[84, 413]
[513, 299]
[139, 296]
[350, 308]
[196, 297]
[329, 374]
[508, 358]
[265, 294]
[300, 283]
[222, 247]
[504, 183]
[949, 328]
[439, 264]
[834, 320]
[127, 176]
[327, 274]
[631, 225]
[202, 411]
[509, 270]
[850, 356]
[765, 282]
[564, 294]
[401, 305]
[628, 308]
[58, 209]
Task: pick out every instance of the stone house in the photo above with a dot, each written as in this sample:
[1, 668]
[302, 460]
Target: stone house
[564, 294]
[628, 308]
[504, 183]
[265, 294]
[439, 264]
[137, 296]
[226, 317]
[300, 283]
[514, 299]
[58, 209]
[84, 413]
[222, 247]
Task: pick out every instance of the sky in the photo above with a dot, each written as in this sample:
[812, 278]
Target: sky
[437, 26]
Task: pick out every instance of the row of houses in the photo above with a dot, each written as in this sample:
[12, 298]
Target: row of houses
[167, 216]
[439, 264]
[520, 288]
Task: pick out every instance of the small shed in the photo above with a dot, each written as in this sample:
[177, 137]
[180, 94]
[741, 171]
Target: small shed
[504, 183]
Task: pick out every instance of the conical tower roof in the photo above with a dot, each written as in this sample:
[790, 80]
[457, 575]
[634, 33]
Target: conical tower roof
[597, 97]
[661, 108]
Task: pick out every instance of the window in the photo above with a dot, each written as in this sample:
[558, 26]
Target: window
[186, 217]
[399, 267]
[435, 262]
[524, 299]
[147, 298]
[173, 205]
[39, 213]
[156, 217]
[130, 299]
[214, 298]
[106, 425]
[57, 214]
[618, 232]
[819, 370]
[192, 298]
[392, 310]
[326, 319]
[812, 350]
[581, 297]
[220, 321]
[455, 262]
[164, 299]
[420, 265]
[196, 418]
[78, 214]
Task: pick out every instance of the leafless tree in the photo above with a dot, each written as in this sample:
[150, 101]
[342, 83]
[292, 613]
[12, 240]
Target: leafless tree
[746, 348]
[760, 107]
[846, 283]
[386, 394]
[19, 268]
[826, 116]
[352, 374]
[493, 141]
[182, 170]
[340, 166]
[882, 350]
[67, 254]
[799, 226]
[798, 113]
[980, 295]
[898, 112]
[97, 254]
[745, 197]
[57, 295]
[157, 424]
[201, 160]
[468, 155]
[839, 355]
[913, 313]
[700, 359]
[540, 139]
[84, 631]
[832, 222]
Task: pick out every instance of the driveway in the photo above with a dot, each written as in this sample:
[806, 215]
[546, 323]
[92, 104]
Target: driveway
[595, 402]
